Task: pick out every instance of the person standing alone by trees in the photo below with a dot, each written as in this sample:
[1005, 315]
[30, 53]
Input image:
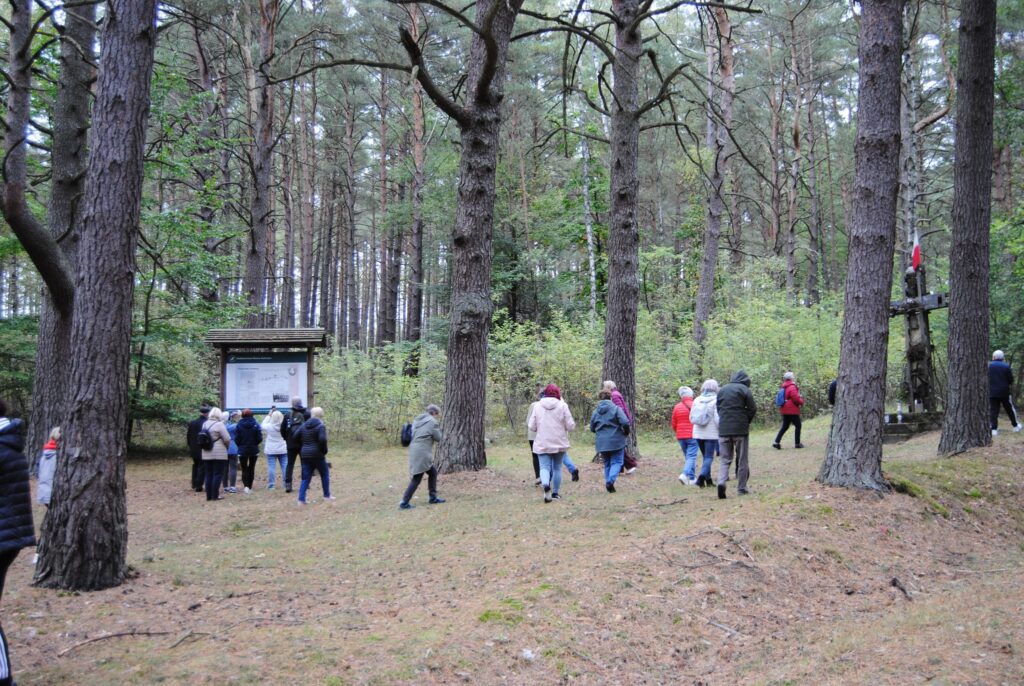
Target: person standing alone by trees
[1000, 387]
[194, 451]
[736, 409]
[790, 410]
[426, 431]
[16, 529]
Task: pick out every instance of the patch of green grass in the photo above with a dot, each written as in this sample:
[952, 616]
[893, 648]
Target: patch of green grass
[759, 545]
[974, 493]
[902, 484]
[834, 554]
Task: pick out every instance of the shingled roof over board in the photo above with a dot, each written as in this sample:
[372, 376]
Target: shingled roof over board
[266, 338]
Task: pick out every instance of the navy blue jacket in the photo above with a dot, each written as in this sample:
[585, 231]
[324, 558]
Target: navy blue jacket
[1000, 379]
[16, 530]
[313, 437]
[609, 425]
[248, 435]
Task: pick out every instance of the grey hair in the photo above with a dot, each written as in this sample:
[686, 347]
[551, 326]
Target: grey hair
[296, 401]
[235, 413]
[710, 386]
[685, 392]
[609, 385]
[317, 412]
[998, 355]
[788, 376]
[432, 409]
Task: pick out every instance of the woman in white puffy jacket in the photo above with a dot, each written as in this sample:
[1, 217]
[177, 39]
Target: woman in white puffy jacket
[274, 445]
[704, 416]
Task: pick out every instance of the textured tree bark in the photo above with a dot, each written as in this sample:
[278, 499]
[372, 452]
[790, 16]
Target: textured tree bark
[588, 222]
[70, 128]
[414, 314]
[966, 425]
[623, 233]
[85, 530]
[854, 453]
[465, 385]
[720, 64]
[351, 291]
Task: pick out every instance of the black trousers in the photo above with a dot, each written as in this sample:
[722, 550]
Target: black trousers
[993, 411]
[6, 674]
[788, 419]
[248, 465]
[293, 458]
[536, 462]
[198, 472]
[414, 483]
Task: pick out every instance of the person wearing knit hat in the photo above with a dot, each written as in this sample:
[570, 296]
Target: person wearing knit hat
[551, 421]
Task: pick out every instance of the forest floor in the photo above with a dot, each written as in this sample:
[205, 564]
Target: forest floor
[656, 584]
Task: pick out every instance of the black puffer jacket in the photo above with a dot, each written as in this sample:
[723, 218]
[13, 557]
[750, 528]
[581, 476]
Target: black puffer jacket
[313, 437]
[736, 406]
[248, 436]
[16, 530]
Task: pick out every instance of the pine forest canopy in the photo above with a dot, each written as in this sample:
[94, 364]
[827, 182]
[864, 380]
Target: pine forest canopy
[305, 167]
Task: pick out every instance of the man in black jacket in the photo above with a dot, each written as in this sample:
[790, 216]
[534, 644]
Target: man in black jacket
[194, 451]
[293, 420]
[736, 409]
[1000, 387]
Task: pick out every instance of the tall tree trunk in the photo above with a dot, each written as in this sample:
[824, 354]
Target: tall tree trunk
[966, 425]
[70, 128]
[623, 233]
[854, 453]
[85, 531]
[795, 181]
[720, 65]
[351, 291]
[465, 385]
[588, 222]
[815, 244]
[414, 316]
[384, 304]
[307, 172]
[254, 284]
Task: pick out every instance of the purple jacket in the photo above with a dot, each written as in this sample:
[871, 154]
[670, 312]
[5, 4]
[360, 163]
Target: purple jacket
[621, 402]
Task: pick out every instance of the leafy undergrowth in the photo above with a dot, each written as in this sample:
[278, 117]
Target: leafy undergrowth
[656, 584]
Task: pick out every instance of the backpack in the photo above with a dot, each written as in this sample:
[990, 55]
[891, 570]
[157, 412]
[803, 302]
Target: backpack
[295, 421]
[780, 397]
[704, 413]
[406, 435]
[204, 439]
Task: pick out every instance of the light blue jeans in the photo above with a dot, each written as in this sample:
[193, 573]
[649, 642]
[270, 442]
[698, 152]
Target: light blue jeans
[568, 463]
[551, 470]
[689, 446]
[613, 460]
[272, 462]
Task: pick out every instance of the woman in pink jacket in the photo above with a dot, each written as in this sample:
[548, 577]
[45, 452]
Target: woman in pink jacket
[552, 421]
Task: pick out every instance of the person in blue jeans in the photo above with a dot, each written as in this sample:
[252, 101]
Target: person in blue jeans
[313, 453]
[704, 418]
[683, 429]
[530, 435]
[552, 421]
[610, 427]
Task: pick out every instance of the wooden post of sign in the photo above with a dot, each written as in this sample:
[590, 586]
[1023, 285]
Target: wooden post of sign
[310, 356]
[223, 377]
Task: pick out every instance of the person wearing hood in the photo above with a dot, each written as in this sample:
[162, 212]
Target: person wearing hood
[629, 462]
[313, 454]
[551, 421]
[248, 436]
[790, 410]
[683, 428]
[610, 426]
[530, 436]
[704, 417]
[426, 431]
[48, 467]
[736, 409]
[16, 528]
[274, 446]
[216, 456]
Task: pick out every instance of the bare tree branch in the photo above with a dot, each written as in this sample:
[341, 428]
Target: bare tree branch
[419, 71]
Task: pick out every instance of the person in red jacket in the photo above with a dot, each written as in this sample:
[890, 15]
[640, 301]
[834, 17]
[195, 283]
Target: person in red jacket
[683, 428]
[790, 410]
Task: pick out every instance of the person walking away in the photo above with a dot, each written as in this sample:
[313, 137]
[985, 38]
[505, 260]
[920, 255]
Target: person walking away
[48, 467]
[683, 428]
[790, 410]
[426, 431]
[736, 409]
[194, 451]
[297, 416]
[16, 528]
[313, 453]
[610, 426]
[1000, 387]
[274, 446]
[704, 417]
[574, 472]
[248, 437]
[629, 462]
[552, 421]
[216, 457]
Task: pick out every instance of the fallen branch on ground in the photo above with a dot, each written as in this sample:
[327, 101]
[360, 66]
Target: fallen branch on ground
[104, 637]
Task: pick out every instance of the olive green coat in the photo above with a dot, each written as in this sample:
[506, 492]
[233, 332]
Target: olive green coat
[425, 432]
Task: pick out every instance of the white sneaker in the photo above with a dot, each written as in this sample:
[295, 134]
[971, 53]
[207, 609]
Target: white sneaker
[248, 490]
[630, 470]
[995, 432]
[1016, 429]
[683, 480]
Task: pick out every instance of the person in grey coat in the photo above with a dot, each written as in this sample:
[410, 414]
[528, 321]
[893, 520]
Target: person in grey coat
[426, 431]
[736, 409]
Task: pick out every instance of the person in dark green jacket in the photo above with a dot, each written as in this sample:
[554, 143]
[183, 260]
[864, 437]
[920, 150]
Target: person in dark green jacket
[736, 409]
[426, 431]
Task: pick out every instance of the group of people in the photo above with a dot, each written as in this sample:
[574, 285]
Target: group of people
[220, 442]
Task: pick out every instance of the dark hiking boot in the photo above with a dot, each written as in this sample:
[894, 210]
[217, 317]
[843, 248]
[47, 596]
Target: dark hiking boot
[721, 491]
[434, 500]
[776, 446]
[405, 506]
[575, 475]
[610, 487]
[799, 445]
